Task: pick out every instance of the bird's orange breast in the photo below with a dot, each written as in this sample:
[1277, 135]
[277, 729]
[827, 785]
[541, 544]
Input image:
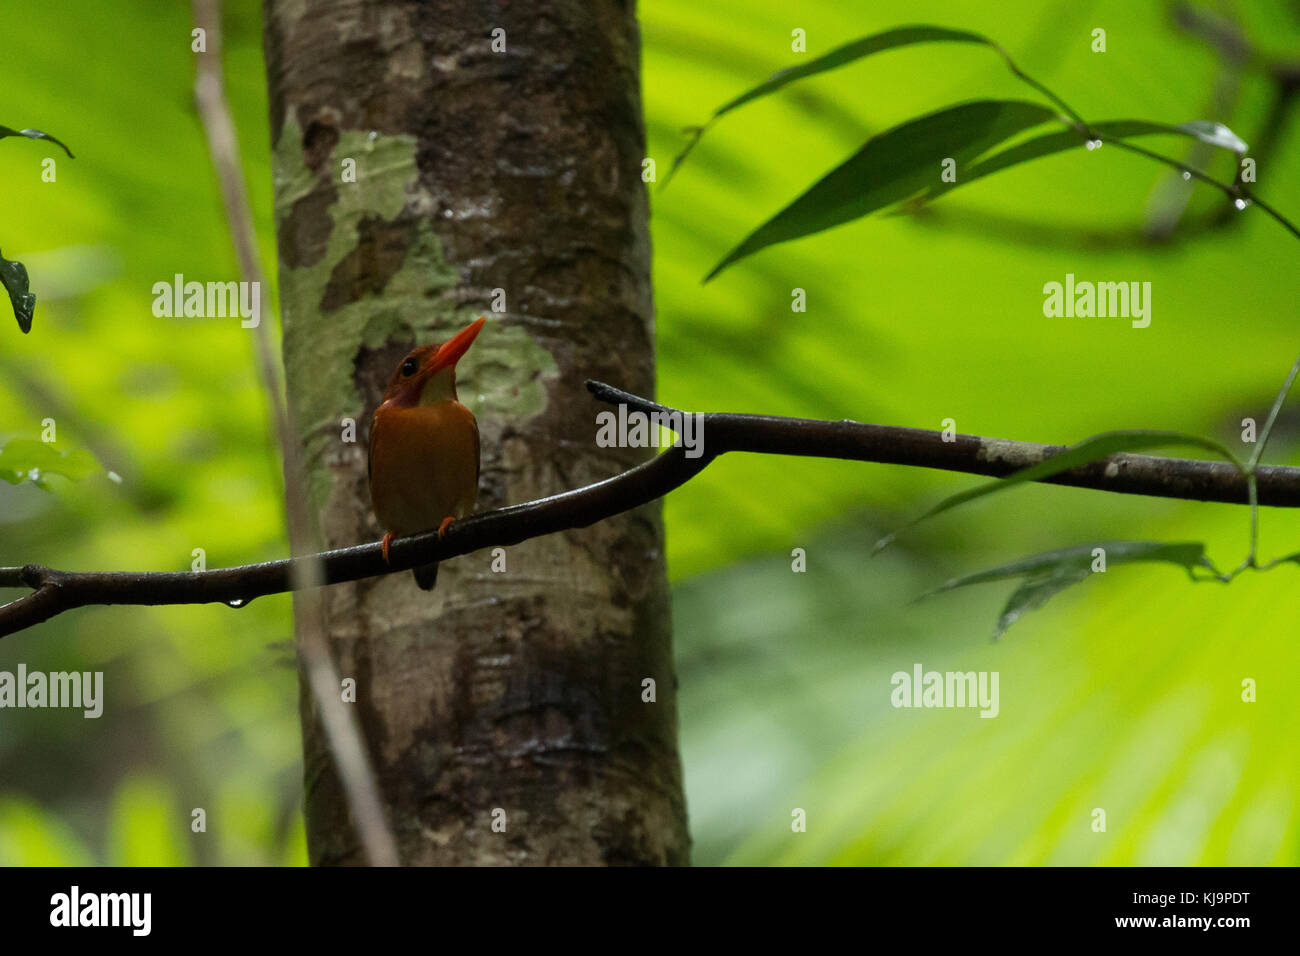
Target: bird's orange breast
[423, 465]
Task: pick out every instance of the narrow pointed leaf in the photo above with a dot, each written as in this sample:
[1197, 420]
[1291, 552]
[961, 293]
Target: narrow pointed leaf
[1185, 554]
[851, 51]
[1090, 450]
[1064, 140]
[35, 134]
[1032, 594]
[1216, 134]
[13, 276]
[856, 50]
[893, 166]
[1048, 574]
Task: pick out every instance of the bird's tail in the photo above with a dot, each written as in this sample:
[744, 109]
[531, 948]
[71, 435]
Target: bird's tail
[426, 576]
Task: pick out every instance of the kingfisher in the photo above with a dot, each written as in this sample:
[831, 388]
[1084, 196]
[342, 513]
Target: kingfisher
[424, 447]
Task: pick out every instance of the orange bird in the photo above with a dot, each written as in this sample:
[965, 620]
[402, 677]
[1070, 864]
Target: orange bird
[424, 447]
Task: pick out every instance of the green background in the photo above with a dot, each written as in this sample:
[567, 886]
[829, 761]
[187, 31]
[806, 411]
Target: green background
[1122, 694]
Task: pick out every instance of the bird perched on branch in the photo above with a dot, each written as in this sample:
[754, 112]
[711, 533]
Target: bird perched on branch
[424, 447]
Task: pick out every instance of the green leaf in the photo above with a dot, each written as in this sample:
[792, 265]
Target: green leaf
[856, 50]
[1089, 450]
[34, 134]
[1063, 140]
[1186, 554]
[893, 166]
[27, 459]
[1216, 134]
[13, 275]
[1048, 574]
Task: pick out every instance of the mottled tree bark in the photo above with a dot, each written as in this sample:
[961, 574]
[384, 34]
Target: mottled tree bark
[422, 178]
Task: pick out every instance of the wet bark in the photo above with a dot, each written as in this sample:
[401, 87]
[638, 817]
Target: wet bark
[422, 178]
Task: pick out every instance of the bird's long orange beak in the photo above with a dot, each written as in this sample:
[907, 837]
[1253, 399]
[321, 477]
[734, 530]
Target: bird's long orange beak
[451, 351]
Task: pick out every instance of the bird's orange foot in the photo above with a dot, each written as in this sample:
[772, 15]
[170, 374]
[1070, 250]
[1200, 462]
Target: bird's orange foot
[383, 546]
[442, 528]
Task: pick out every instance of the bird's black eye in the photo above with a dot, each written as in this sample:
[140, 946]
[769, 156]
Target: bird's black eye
[409, 366]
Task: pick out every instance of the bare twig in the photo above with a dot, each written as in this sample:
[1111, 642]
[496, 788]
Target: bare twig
[58, 591]
[345, 740]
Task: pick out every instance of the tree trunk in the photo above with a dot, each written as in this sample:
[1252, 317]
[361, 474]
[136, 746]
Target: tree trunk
[435, 161]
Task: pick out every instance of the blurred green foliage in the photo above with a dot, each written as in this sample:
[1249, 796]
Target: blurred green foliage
[26, 459]
[1124, 693]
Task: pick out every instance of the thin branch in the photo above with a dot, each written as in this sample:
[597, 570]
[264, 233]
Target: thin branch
[341, 728]
[1262, 439]
[58, 591]
[1260, 442]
